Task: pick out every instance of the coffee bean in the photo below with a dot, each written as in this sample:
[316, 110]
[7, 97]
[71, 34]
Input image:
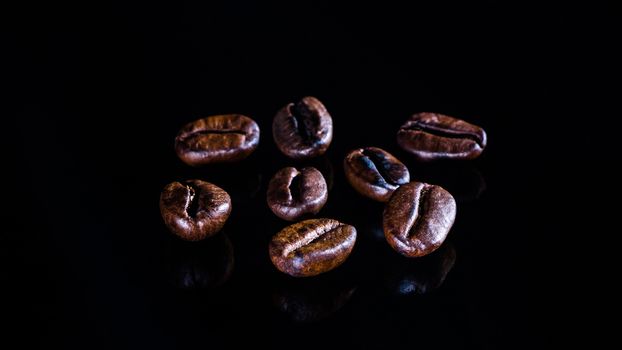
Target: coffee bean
[417, 218]
[431, 136]
[303, 129]
[375, 173]
[217, 139]
[195, 209]
[312, 247]
[293, 194]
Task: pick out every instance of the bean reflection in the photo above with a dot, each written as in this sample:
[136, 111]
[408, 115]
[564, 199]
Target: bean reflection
[312, 299]
[422, 275]
[200, 265]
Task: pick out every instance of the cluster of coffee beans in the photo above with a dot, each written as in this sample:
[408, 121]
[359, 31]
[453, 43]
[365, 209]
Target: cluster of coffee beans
[417, 216]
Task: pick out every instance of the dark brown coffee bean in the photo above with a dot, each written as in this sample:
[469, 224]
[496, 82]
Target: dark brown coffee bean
[311, 247]
[375, 173]
[293, 194]
[217, 139]
[195, 209]
[432, 136]
[303, 129]
[417, 218]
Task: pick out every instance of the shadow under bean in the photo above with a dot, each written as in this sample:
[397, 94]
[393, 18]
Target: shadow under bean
[404, 276]
[312, 299]
[200, 265]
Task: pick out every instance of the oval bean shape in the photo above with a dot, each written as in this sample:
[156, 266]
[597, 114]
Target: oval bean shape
[417, 218]
[217, 139]
[432, 136]
[195, 209]
[312, 247]
[375, 173]
[303, 130]
[293, 194]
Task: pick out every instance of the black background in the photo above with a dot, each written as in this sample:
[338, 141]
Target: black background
[96, 94]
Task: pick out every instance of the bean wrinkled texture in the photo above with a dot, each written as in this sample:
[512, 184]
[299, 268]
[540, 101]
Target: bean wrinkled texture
[294, 193]
[375, 173]
[303, 130]
[312, 247]
[217, 139]
[195, 209]
[433, 136]
[417, 218]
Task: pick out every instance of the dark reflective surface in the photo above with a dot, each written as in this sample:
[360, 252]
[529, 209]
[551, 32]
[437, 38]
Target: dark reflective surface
[312, 299]
[96, 99]
[420, 276]
[463, 180]
[198, 265]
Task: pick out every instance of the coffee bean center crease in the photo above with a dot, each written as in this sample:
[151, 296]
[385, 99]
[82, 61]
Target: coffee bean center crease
[443, 132]
[303, 121]
[376, 161]
[421, 208]
[296, 188]
[192, 202]
[214, 131]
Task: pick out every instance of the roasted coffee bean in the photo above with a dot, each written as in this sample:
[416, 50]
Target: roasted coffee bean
[312, 247]
[217, 139]
[303, 129]
[417, 218]
[195, 209]
[432, 136]
[375, 173]
[293, 194]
